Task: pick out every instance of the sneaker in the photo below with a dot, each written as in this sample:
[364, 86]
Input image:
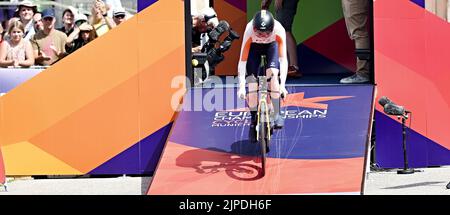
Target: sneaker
[279, 122]
[294, 72]
[355, 79]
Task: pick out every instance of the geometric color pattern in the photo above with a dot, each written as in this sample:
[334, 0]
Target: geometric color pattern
[318, 25]
[142, 4]
[234, 12]
[419, 2]
[109, 99]
[142, 157]
[208, 151]
[411, 60]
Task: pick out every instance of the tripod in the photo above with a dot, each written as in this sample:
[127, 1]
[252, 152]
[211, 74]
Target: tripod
[406, 169]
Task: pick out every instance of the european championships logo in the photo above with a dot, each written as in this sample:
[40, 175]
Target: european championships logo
[295, 106]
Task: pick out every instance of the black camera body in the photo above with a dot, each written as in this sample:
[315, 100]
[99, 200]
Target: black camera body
[215, 48]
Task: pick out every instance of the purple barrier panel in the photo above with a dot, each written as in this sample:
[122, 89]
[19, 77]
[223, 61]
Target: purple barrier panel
[142, 4]
[419, 2]
[11, 78]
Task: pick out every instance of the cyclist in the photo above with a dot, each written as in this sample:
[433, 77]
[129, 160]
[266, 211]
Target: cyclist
[263, 36]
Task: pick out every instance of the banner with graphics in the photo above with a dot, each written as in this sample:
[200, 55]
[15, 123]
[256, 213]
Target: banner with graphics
[323, 44]
[100, 110]
[321, 148]
[412, 49]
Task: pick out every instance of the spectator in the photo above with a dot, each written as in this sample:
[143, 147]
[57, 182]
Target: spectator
[201, 23]
[16, 51]
[38, 25]
[99, 19]
[285, 13]
[26, 12]
[119, 15]
[79, 20]
[355, 14]
[49, 44]
[9, 23]
[86, 34]
[68, 20]
[111, 5]
[1, 33]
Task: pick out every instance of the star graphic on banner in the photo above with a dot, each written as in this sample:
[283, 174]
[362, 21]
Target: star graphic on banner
[299, 100]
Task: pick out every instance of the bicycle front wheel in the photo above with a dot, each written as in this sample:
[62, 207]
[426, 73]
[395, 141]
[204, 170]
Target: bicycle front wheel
[263, 143]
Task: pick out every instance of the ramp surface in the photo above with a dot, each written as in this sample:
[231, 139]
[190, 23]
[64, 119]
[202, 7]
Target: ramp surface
[320, 150]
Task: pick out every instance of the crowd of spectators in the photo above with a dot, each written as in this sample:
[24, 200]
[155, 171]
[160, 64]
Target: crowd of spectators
[30, 38]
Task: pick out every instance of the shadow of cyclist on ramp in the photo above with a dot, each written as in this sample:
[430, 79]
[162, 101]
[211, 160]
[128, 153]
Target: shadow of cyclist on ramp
[240, 163]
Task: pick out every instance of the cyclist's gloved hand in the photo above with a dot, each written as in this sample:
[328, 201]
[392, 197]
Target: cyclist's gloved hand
[283, 92]
[241, 93]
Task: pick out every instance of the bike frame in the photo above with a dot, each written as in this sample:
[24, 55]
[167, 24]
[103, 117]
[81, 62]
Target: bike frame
[263, 106]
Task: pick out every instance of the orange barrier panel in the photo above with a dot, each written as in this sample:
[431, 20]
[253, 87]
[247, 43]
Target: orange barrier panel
[98, 102]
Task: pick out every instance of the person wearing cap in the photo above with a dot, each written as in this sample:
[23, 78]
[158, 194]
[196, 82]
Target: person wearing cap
[26, 12]
[111, 5]
[86, 34]
[68, 19]
[100, 20]
[49, 44]
[119, 15]
[83, 33]
[79, 20]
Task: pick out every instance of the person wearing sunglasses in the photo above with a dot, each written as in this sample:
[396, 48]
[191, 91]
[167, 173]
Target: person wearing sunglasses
[119, 15]
[49, 44]
[263, 36]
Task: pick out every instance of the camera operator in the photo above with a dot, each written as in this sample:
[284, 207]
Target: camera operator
[207, 49]
[201, 24]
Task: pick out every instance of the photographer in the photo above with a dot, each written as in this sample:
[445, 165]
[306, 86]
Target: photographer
[207, 49]
[201, 24]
